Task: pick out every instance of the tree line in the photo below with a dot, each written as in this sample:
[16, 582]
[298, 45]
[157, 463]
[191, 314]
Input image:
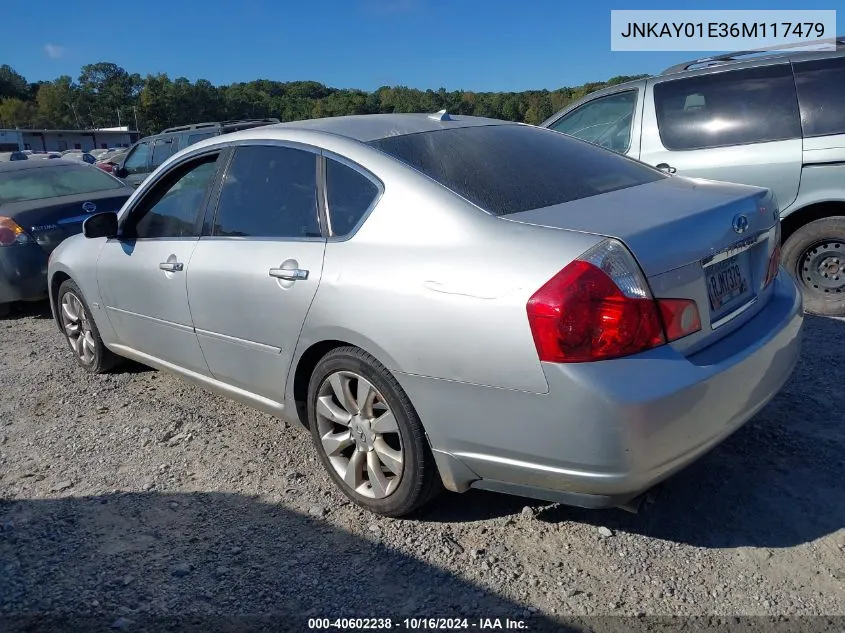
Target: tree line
[106, 95]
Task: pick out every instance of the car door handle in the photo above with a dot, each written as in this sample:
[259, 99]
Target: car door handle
[172, 267]
[289, 274]
[666, 167]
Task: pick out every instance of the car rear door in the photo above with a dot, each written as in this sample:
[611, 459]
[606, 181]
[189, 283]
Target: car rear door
[256, 268]
[142, 273]
[738, 126]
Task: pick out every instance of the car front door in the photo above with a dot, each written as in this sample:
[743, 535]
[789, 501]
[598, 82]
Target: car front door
[255, 272]
[142, 273]
[738, 126]
[610, 120]
[137, 164]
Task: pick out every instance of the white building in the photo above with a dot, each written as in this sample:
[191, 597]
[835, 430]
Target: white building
[60, 140]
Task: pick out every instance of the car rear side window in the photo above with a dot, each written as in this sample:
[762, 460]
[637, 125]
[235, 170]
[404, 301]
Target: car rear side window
[821, 94]
[738, 107]
[269, 191]
[349, 193]
[511, 168]
[196, 138]
[162, 150]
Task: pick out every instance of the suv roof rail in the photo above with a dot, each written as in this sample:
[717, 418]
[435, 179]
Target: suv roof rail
[216, 124]
[717, 60]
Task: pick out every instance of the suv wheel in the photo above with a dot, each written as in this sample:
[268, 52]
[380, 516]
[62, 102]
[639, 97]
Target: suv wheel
[815, 254]
[367, 434]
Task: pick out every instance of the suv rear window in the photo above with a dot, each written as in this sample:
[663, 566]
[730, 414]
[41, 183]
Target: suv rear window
[821, 93]
[511, 168]
[737, 107]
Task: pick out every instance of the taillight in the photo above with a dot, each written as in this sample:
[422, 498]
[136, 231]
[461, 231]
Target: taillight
[12, 233]
[600, 307]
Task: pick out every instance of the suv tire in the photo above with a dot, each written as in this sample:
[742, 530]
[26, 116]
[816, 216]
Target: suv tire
[815, 254]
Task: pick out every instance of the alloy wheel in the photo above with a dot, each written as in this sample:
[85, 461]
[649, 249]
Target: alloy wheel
[77, 327]
[359, 434]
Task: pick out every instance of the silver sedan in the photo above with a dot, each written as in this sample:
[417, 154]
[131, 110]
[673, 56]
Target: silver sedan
[446, 302]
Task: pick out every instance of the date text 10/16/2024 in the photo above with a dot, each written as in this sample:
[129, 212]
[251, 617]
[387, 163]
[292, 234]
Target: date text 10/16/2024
[410, 624]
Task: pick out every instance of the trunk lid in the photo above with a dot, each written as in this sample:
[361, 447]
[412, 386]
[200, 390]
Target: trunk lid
[52, 220]
[694, 239]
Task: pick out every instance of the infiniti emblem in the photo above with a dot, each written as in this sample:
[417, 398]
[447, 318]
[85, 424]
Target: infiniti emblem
[89, 207]
[740, 223]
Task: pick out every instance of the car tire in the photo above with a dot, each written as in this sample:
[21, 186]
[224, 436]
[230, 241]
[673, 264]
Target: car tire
[81, 331]
[815, 254]
[362, 444]
[5, 309]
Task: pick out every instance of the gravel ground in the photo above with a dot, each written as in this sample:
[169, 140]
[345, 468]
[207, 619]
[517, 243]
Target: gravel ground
[136, 498]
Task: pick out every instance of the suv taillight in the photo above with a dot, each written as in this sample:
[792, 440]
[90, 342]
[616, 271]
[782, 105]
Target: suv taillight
[600, 307]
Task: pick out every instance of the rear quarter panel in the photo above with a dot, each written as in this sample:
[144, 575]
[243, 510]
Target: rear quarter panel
[433, 286]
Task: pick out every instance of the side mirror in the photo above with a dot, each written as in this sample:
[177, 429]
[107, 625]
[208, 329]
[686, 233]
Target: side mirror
[100, 225]
[120, 172]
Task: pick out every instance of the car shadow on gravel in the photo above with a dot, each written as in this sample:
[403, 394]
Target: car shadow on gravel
[777, 482]
[211, 561]
[27, 309]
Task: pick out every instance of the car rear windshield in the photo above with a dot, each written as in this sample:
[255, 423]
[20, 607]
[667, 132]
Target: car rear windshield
[52, 182]
[506, 169]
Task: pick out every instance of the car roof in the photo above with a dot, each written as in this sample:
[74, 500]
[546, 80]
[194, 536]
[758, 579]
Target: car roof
[744, 59]
[371, 127]
[37, 163]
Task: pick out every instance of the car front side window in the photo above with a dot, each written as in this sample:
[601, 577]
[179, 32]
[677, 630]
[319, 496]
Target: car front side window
[605, 121]
[171, 209]
[138, 159]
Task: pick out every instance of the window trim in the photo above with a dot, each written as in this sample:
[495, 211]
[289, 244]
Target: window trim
[221, 176]
[326, 154]
[566, 113]
[719, 71]
[150, 188]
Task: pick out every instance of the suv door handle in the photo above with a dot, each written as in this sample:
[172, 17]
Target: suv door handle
[289, 274]
[666, 167]
[172, 267]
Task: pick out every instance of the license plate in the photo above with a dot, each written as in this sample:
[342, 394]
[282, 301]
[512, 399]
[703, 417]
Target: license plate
[727, 281]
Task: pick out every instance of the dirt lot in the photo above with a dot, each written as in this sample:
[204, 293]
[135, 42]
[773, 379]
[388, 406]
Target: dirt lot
[134, 495]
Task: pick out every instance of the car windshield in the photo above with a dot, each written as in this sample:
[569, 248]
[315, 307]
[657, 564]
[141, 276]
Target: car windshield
[510, 168]
[51, 182]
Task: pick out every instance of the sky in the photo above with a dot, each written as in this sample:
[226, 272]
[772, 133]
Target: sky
[474, 45]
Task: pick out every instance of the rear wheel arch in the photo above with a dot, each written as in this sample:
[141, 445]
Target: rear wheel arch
[815, 211]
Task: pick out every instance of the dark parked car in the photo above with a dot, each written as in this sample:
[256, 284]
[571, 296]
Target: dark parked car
[147, 154]
[42, 202]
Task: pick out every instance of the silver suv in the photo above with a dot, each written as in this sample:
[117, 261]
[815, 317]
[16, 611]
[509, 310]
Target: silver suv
[776, 120]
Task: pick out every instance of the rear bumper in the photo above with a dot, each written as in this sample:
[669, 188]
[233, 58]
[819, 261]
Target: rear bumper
[610, 430]
[23, 273]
